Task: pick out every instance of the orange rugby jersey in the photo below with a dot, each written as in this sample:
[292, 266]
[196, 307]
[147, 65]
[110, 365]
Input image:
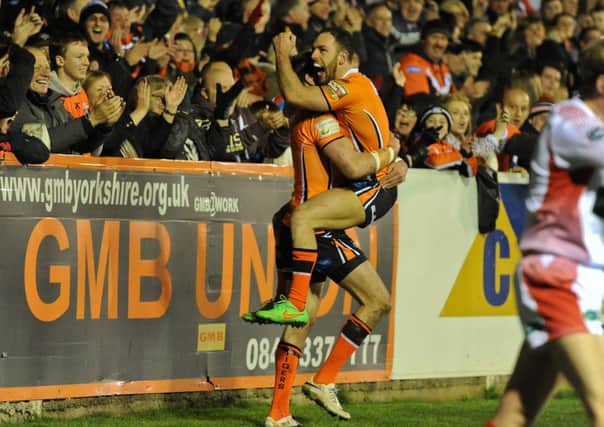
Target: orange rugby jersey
[312, 173]
[358, 107]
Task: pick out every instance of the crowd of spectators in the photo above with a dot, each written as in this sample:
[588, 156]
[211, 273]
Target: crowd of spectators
[196, 80]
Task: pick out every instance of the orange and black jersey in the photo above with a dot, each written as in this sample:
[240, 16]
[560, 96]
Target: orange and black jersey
[77, 105]
[312, 174]
[359, 109]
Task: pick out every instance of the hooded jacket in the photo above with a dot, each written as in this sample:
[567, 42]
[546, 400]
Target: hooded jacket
[66, 134]
[75, 101]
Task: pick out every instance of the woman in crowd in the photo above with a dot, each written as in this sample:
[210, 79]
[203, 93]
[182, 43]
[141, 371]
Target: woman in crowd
[143, 129]
[484, 148]
[404, 122]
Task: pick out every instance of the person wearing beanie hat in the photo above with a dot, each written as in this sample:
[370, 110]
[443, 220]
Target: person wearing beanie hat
[94, 22]
[539, 114]
[92, 7]
[437, 153]
[435, 26]
[436, 121]
[464, 60]
[424, 67]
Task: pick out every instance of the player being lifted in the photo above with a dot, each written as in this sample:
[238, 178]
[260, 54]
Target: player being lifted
[352, 97]
[322, 152]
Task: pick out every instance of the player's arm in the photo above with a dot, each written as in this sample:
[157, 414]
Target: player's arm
[576, 145]
[354, 164]
[292, 88]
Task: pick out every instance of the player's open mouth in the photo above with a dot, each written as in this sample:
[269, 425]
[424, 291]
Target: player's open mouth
[318, 69]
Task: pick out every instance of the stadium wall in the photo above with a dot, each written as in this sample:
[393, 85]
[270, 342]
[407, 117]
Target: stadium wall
[126, 277]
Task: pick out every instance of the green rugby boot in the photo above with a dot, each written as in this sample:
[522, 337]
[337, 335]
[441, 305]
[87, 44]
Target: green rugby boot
[283, 312]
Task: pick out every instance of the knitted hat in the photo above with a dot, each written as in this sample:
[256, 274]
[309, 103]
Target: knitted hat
[435, 26]
[435, 109]
[540, 108]
[92, 7]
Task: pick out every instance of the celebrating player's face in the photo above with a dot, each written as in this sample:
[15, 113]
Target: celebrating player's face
[324, 56]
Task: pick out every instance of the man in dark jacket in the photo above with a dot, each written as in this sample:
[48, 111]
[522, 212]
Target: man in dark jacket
[379, 47]
[221, 110]
[26, 149]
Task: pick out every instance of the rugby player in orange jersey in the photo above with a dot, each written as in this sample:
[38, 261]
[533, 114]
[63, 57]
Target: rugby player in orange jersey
[359, 110]
[321, 152]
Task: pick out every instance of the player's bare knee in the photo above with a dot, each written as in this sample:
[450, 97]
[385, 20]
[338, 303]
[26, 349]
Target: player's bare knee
[378, 308]
[383, 302]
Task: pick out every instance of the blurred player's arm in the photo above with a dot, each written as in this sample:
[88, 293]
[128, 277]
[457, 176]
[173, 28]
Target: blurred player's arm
[577, 145]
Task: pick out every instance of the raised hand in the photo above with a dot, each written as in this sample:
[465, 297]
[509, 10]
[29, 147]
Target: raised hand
[157, 49]
[225, 101]
[138, 14]
[214, 26]
[143, 101]
[501, 122]
[116, 41]
[26, 25]
[398, 75]
[143, 96]
[353, 20]
[285, 44]
[175, 93]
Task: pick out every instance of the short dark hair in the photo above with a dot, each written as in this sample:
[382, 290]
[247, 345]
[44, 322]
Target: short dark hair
[584, 34]
[551, 63]
[58, 45]
[282, 8]
[344, 40]
[591, 65]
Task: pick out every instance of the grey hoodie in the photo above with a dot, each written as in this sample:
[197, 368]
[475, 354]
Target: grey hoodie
[57, 85]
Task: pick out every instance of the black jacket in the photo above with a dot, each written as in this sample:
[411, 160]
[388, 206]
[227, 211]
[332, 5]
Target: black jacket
[27, 149]
[187, 140]
[244, 139]
[144, 140]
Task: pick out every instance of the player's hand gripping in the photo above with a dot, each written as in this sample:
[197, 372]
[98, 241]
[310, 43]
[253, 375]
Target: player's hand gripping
[285, 44]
